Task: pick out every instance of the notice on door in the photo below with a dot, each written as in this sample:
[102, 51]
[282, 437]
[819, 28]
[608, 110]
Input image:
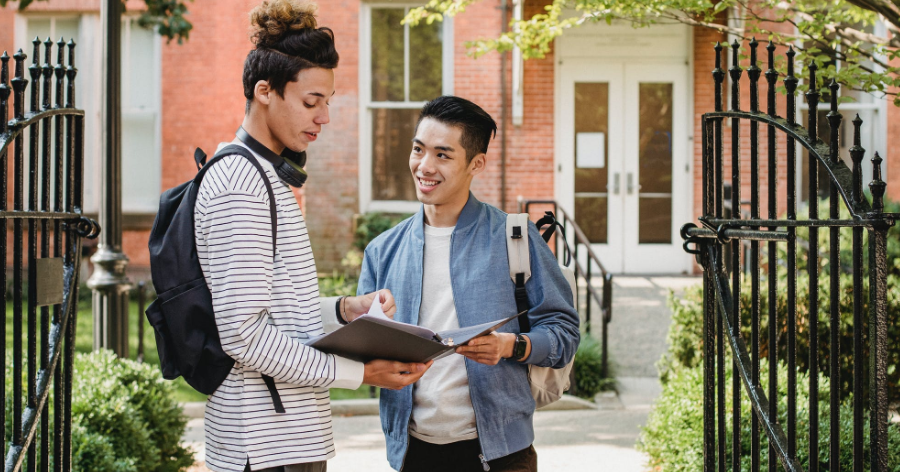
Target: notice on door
[590, 150]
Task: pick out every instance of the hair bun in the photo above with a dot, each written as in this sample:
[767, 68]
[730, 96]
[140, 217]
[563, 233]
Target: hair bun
[272, 20]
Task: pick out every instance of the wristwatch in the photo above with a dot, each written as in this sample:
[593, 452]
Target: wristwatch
[519, 347]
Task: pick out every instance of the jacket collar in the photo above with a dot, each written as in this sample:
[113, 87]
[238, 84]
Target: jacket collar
[467, 217]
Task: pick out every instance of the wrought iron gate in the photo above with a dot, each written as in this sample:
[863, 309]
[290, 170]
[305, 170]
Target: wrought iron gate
[719, 237]
[49, 226]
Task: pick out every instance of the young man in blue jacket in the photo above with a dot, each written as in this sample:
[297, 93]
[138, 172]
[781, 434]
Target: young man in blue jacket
[447, 267]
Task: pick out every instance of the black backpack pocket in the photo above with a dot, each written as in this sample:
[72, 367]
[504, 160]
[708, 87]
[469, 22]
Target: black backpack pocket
[195, 350]
[161, 331]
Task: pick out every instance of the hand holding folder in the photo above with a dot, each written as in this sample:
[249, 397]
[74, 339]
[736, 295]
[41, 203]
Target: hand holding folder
[375, 336]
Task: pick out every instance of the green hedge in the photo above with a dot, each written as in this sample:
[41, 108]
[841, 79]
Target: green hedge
[673, 436]
[123, 417]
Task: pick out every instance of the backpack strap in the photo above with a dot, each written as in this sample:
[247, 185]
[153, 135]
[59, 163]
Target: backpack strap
[519, 262]
[550, 219]
[230, 150]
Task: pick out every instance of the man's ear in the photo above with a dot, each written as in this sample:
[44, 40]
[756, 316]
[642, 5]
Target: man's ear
[262, 92]
[478, 164]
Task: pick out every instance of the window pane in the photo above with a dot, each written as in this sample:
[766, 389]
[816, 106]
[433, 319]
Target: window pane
[425, 62]
[655, 159]
[392, 133]
[656, 220]
[387, 54]
[142, 73]
[591, 132]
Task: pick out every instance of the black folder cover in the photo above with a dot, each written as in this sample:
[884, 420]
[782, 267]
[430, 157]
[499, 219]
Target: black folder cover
[368, 338]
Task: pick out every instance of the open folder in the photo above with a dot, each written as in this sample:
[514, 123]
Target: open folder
[375, 336]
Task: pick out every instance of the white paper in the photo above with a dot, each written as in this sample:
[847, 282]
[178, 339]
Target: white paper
[376, 314]
[590, 150]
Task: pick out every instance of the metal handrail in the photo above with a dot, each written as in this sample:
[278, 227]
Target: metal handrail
[603, 299]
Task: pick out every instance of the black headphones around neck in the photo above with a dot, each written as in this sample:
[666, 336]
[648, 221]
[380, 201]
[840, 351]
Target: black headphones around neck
[288, 166]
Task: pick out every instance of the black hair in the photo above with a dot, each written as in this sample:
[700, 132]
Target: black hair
[287, 42]
[476, 124]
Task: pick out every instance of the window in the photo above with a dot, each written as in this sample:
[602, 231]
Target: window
[141, 103]
[401, 68]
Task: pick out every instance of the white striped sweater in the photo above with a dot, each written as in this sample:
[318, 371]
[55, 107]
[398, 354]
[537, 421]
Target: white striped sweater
[264, 310]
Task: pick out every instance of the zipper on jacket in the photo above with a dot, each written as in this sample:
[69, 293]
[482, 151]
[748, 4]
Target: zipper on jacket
[484, 463]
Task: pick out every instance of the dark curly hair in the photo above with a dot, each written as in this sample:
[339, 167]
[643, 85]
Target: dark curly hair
[287, 41]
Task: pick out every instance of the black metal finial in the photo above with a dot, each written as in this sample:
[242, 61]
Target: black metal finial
[19, 82]
[718, 49]
[59, 70]
[48, 71]
[812, 98]
[856, 154]
[735, 72]
[834, 121]
[771, 78]
[4, 92]
[35, 70]
[71, 71]
[790, 82]
[736, 49]
[754, 72]
[877, 186]
[718, 76]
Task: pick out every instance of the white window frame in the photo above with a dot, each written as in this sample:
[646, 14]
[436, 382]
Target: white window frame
[127, 21]
[366, 104]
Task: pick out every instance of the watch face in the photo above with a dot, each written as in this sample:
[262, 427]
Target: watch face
[519, 347]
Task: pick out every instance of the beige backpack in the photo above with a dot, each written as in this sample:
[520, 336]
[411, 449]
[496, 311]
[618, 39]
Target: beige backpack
[547, 384]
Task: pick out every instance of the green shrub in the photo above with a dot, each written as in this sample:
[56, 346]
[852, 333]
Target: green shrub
[370, 225]
[588, 368]
[124, 418]
[673, 436]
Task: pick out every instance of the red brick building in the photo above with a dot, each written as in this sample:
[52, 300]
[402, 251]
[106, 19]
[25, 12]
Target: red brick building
[607, 124]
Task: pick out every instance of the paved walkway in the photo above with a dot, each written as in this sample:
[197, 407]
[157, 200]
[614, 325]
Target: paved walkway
[581, 440]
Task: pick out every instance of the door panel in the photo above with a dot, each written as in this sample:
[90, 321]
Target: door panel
[590, 118]
[623, 161]
[656, 160]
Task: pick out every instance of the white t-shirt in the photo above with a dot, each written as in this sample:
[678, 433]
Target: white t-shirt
[442, 409]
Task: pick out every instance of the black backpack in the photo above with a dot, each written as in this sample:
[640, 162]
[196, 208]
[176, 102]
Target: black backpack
[182, 315]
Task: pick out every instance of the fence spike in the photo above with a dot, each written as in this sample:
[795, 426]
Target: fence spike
[19, 82]
[771, 78]
[4, 92]
[877, 186]
[754, 72]
[856, 154]
[812, 98]
[48, 72]
[60, 70]
[718, 76]
[790, 82]
[735, 72]
[35, 70]
[71, 71]
[834, 121]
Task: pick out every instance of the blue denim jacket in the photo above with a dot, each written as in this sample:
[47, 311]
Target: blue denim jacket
[482, 291]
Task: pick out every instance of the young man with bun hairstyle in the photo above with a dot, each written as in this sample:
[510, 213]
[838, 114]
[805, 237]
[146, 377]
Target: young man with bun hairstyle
[267, 307]
[448, 267]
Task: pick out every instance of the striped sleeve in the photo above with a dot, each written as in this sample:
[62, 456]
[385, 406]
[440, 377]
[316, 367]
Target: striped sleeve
[236, 228]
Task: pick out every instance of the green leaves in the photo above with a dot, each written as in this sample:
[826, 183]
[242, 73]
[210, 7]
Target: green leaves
[838, 35]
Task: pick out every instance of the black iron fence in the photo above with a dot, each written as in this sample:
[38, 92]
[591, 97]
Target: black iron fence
[722, 297]
[47, 228]
[576, 243]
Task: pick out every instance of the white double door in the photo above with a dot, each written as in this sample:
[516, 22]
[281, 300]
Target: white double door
[622, 161]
